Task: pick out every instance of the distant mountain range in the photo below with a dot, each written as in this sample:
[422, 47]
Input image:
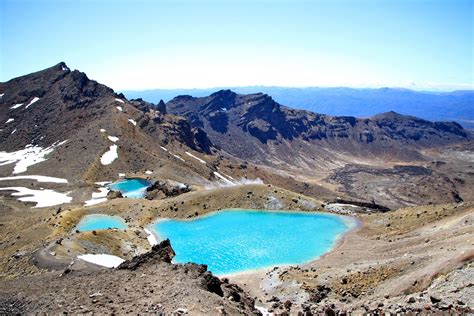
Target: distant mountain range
[434, 106]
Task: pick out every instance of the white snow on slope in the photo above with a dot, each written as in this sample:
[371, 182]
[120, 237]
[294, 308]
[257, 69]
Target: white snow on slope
[1, 95]
[113, 138]
[102, 130]
[42, 198]
[102, 183]
[119, 108]
[104, 260]
[264, 311]
[217, 174]
[98, 197]
[14, 131]
[151, 237]
[121, 175]
[148, 172]
[64, 68]
[26, 157]
[163, 148]
[109, 156]
[37, 178]
[133, 122]
[118, 100]
[176, 156]
[227, 176]
[226, 184]
[35, 99]
[199, 159]
[102, 193]
[16, 106]
[9, 120]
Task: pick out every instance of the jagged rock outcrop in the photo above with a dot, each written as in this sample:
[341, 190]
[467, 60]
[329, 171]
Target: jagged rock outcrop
[161, 252]
[114, 195]
[162, 189]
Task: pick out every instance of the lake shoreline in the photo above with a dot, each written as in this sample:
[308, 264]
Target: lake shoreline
[349, 222]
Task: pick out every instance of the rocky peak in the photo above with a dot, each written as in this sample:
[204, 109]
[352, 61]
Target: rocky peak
[161, 106]
[161, 252]
[219, 101]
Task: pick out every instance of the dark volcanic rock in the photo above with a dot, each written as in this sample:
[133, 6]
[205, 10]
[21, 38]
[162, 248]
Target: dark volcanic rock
[241, 123]
[114, 195]
[166, 189]
[158, 253]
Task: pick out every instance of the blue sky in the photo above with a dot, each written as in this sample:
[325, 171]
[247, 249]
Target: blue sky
[137, 44]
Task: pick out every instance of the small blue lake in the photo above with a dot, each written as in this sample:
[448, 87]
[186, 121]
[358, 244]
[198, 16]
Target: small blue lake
[133, 188]
[100, 221]
[239, 240]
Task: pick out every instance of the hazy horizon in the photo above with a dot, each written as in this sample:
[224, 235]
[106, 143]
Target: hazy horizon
[437, 90]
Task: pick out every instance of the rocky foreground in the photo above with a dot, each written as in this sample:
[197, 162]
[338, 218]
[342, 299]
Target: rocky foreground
[148, 283]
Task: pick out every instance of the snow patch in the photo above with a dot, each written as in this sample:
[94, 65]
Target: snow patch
[102, 183]
[217, 174]
[178, 157]
[163, 148]
[109, 156]
[227, 183]
[151, 237]
[14, 131]
[35, 99]
[113, 138]
[16, 106]
[42, 198]
[119, 108]
[9, 120]
[264, 311]
[119, 100]
[98, 197]
[26, 157]
[133, 122]
[101, 194]
[37, 178]
[148, 172]
[94, 201]
[1, 95]
[102, 130]
[121, 175]
[64, 68]
[109, 261]
[229, 177]
[198, 159]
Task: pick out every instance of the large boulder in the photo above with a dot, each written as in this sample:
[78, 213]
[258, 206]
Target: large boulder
[164, 189]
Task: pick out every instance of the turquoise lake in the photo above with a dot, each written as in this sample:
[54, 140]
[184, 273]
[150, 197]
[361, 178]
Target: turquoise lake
[133, 188]
[239, 240]
[100, 221]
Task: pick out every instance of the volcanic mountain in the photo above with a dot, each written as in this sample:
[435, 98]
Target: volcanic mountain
[59, 106]
[257, 128]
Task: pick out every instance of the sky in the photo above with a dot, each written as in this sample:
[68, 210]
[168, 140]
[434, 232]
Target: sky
[138, 44]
